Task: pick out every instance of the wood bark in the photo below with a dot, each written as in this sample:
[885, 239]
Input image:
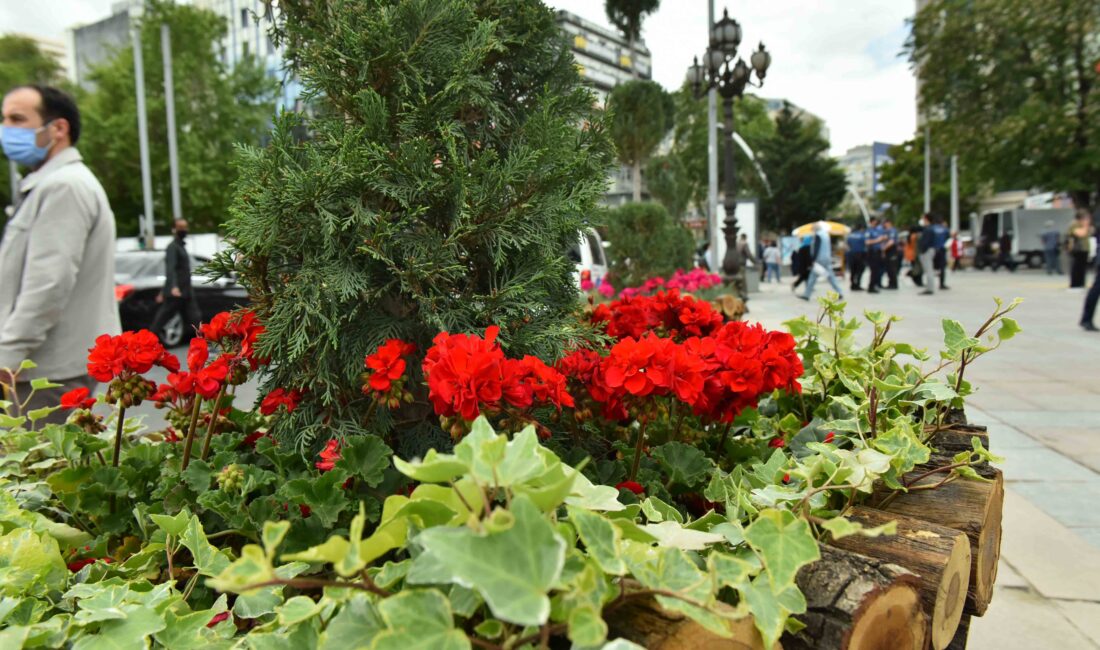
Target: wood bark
[958, 438]
[855, 602]
[938, 555]
[961, 635]
[972, 507]
[646, 623]
[936, 460]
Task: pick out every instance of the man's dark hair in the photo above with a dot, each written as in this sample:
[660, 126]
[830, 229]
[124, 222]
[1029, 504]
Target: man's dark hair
[938, 219]
[57, 104]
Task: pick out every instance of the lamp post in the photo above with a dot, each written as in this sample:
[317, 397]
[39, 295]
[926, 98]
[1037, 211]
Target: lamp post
[723, 70]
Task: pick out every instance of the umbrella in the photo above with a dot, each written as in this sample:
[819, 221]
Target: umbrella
[834, 228]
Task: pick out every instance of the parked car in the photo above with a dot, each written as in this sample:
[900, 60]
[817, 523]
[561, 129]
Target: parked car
[588, 256]
[139, 278]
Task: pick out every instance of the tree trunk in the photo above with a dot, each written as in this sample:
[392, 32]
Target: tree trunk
[972, 507]
[636, 176]
[649, 625]
[958, 438]
[858, 603]
[939, 556]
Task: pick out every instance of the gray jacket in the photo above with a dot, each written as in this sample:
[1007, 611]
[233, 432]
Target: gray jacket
[57, 270]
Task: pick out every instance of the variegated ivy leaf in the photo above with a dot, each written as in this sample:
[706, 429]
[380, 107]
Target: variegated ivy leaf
[840, 527]
[784, 542]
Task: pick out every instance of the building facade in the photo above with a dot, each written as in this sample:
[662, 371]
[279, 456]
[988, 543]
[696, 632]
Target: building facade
[774, 106]
[94, 43]
[862, 166]
[603, 60]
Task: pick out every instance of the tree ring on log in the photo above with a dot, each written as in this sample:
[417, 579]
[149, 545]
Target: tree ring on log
[891, 621]
[988, 547]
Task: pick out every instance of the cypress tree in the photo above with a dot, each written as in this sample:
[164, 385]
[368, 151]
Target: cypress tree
[452, 156]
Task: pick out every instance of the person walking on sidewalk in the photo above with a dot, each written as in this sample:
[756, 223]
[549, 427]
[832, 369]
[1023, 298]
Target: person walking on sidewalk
[1090, 300]
[771, 261]
[955, 247]
[177, 296]
[891, 256]
[940, 234]
[1078, 244]
[1052, 244]
[875, 241]
[822, 267]
[926, 249]
[801, 261]
[857, 256]
[57, 257]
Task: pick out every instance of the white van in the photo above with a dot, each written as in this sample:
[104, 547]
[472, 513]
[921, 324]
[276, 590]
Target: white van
[588, 255]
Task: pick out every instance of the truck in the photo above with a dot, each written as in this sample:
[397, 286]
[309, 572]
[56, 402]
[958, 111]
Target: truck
[1025, 227]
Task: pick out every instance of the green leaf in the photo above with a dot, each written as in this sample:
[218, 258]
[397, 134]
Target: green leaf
[586, 494]
[131, 631]
[434, 468]
[187, 630]
[251, 568]
[903, 447]
[730, 570]
[1008, 329]
[770, 607]
[37, 414]
[174, 525]
[586, 626]
[418, 619]
[41, 383]
[685, 465]
[298, 609]
[784, 542]
[325, 495]
[27, 364]
[354, 626]
[601, 539]
[656, 511]
[273, 534]
[674, 535]
[208, 559]
[11, 422]
[490, 628]
[366, 458]
[840, 527]
[30, 564]
[512, 570]
[955, 338]
[198, 475]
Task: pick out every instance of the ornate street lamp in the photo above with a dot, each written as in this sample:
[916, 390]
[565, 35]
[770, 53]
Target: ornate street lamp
[730, 75]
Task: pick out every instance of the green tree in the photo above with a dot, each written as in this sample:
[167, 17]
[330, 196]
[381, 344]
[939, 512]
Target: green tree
[21, 62]
[903, 184]
[1012, 87]
[441, 188]
[627, 17]
[668, 182]
[641, 114]
[750, 121]
[646, 241]
[216, 108]
[806, 183]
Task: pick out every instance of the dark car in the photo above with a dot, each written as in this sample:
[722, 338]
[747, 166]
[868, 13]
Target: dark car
[139, 279]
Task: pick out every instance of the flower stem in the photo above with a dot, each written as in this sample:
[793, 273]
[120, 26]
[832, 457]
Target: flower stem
[191, 432]
[638, 452]
[118, 435]
[213, 423]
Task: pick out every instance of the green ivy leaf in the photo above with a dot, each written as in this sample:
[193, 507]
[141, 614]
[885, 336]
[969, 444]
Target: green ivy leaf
[770, 608]
[11, 422]
[955, 339]
[251, 568]
[1008, 329]
[130, 631]
[586, 494]
[208, 559]
[586, 627]
[785, 543]
[273, 534]
[173, 525]
[903, 447]
[512, 570]
[490, 628]
[840, 527]
[30, 564]
[354, 626]
[187, 630]
[298, 609]
[418, 619]
[41, 383]
[37, 414]
[601, 540]
[656, 511]
[366, 458]
[685, 465]
[434, 468]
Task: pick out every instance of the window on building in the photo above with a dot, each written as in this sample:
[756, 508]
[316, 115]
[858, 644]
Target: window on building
[244, 18]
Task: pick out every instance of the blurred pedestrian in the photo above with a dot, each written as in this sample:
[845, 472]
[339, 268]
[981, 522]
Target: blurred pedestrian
[1091, 299]
[955, 247]
[745, 251]
[1078, 245]
[1052, 244]
[926, 248]
[1004, 254]
[57, 259]
[857, 255]
[822, 267]
[891, 254]
[940, 235]
[177, 296]
[801, 261]
[912, 253]
[875, 239]
[771, 261]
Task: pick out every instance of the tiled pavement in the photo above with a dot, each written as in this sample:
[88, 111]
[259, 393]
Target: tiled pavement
[1040, 398]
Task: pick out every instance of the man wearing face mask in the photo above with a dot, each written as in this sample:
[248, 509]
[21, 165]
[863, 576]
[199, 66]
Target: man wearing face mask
[177, 297]
[57, 257]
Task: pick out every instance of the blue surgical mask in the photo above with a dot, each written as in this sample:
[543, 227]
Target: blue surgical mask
[19, 144]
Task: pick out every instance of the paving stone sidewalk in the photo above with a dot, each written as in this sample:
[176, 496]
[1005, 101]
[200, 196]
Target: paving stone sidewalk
[1040, 398]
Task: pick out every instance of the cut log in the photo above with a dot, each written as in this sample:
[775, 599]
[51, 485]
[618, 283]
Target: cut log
[940, 557]
[973, 507]
[646, 623]
[959, 437]
[935, 461]
[858, 603]
[961, 635]
[955, 416]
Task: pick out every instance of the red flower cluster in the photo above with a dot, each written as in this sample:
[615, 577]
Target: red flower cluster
[280, 397]
[128, 353]
[468, 373]
[666, 312]
[329, 455]
[77, 398]
[77, 565]
[217, 618]
[200, 379]
[634, 487]
[236, 331]
[718, 376]
[387, 365]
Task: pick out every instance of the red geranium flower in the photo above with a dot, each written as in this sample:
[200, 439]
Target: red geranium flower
[829, 437]
[209, 380]
[280, 397]
[218, 618]
[304, 510]
[77, 399]
[388, 364]
[329, 455]
[636, 488]
[134, 352]
[777, 443]
[464, 372]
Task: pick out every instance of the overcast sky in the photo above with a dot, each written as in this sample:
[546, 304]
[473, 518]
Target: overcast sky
[836, 58]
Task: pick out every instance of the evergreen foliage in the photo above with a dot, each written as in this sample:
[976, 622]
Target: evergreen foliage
[627, 17]
[903, 184]
[806, 183]
[646, 241]
[216, 107]
[452, 161]
[641, 114]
